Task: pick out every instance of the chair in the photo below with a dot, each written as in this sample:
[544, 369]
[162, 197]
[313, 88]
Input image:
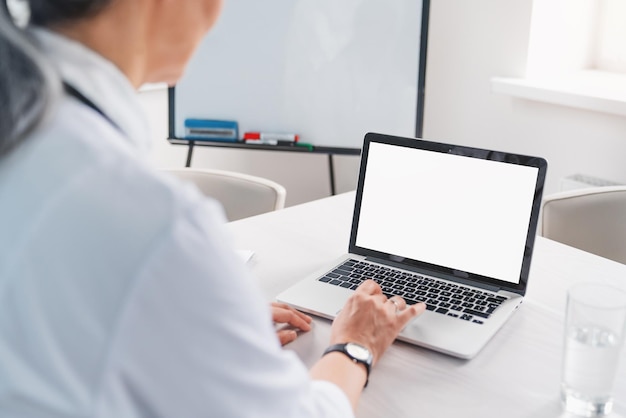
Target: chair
[241, 195]
[591, 219]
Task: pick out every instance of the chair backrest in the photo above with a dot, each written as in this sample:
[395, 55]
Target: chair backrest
[241, 195]
[591, 219]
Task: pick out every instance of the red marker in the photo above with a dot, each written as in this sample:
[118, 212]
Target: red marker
[270, 137]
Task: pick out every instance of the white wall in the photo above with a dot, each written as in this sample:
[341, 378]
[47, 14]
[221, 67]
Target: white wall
[305, 176]
[470, 42]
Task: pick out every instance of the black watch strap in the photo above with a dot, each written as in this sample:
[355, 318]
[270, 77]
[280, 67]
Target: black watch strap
[342, 348]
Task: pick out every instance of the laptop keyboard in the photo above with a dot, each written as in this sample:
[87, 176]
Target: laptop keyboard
[442, 297]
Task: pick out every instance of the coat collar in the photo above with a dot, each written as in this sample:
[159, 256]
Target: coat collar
[100, 81]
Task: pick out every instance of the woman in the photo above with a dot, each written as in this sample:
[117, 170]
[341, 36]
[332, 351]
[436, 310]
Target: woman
[119, 295]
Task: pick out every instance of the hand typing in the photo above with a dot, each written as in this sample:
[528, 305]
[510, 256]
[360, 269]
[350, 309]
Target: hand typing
[371, 319]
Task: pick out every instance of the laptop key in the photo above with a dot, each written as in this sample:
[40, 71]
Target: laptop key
[442, 311]
[345, 284]
[476, 313]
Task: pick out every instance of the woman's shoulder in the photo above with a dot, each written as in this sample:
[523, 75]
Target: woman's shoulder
[84, 160]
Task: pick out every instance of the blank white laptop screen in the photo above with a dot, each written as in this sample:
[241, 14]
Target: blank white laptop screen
[463, 213]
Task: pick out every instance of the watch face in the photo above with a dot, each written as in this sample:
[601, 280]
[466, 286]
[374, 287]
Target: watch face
[357, 351]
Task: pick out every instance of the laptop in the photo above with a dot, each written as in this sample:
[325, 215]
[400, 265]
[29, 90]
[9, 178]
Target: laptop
[448, 225]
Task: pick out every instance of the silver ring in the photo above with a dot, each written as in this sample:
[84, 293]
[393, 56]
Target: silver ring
[395, 304]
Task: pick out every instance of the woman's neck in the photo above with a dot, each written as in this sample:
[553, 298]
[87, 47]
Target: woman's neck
[117, 34]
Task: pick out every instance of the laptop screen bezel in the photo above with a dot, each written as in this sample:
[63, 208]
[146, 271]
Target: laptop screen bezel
[437, 270]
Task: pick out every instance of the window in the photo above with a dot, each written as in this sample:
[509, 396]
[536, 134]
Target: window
[610, 45]
[573, 35]
[576, 56]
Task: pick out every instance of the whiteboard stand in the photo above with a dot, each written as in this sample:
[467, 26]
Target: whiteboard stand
[330, 151]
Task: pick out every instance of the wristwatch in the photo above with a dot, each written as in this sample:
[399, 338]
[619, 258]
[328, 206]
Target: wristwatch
[357, 353]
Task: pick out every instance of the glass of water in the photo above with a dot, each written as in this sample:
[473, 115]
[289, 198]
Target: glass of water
[595, 324]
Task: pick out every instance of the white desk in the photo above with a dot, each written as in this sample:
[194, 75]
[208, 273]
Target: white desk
[516, 375]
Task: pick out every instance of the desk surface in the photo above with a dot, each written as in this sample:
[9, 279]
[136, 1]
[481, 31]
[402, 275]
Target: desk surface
[516, 375]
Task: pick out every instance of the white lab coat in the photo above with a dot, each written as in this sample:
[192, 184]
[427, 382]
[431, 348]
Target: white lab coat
[120, 295]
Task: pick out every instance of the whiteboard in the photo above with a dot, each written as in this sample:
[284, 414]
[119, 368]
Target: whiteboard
[327, 70]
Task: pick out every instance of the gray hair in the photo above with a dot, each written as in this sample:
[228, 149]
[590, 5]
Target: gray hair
[28, 82]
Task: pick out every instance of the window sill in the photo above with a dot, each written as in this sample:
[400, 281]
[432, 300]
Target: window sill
[590, 90]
